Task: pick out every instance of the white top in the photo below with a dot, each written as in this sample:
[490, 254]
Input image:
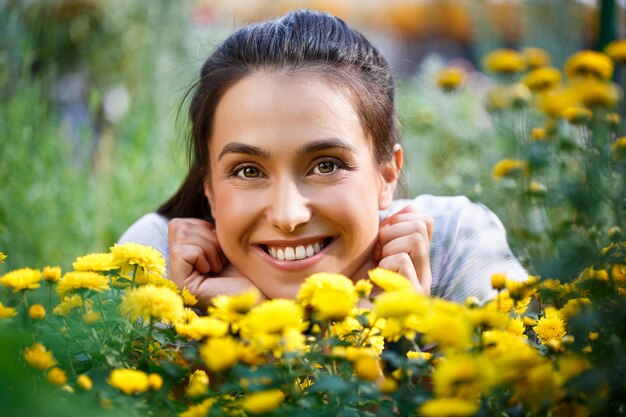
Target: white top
[468, 246]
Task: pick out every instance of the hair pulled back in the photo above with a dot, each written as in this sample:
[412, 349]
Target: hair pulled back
[301, 41]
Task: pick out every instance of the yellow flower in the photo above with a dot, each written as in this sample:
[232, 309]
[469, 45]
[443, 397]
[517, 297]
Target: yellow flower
[38, 357]
[543, 79]
[155, 381]
[219, 353]
[570, 366]
[188, 298]
[367, 367]
[389, 280]
[463, 376]
[198, 383]
[449, 331]
[7, 312]
[508, 168]
[2, 257]
[506, 304]
[420, 356]
[351, 330]
[536, 57]
[56, 376]
[332, 296]
[82, 281]
[573, 307]
[618, 272]
[516, 327]
[613, 119]
[95, 262]
[618, 148]
[37, 312]
[129, 381]
[519, 290]
[91, 317]
[450, 78]
[498, 281]
[363, 287]
[68, 304]
[537, 188]
[449, 407]
[592, 93]
[593, 336]
[504, 61]
[274, 316]
[388, 386]
[586, 64]
[202, 327]
[231, 309]
[152, 303]
[199, 410]
[554, 102]
[538, 133]
[400, 303]
[263, 401]
[21, 279]
[144, 257]
[616, 50]
[51, 273]
[550, 328]
[84, 382]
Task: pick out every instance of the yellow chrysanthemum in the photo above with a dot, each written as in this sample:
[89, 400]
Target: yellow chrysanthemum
[202, 327]
[593, 93]
[618, 148]
[400, 303]
[51, 274]
[573, 307]
[463, 376]
[449, 407]
[129, 381]
[538, 133]
[570, 366]
[199, 410]
[189, 299]
[450, 78]
[419, 356]
[263, 401]
[219, 353]
[498, 281]
[152, 303]
[21, 279]
[586, 64]
[543, 79]
[37, 312]
[57, 376]
[332, 296]
[157, 280]
[505, 303]
[363, 287]
[550, 328]
[450, 332]
[198, 384]
[84, 382]
[536, 57]
[554, 102]
[504, 61]
[69, 303]
[274, 316]
[38, 357]
[616, 50]
[7, 312]
[2, 257]
[95, 262]
[231, 309]
[508, 168]
[80, 282]
[351, 330]
[155, 381]
[144, 257]
[389, 280]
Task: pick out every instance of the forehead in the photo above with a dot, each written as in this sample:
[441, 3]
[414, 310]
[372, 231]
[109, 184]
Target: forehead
[279, 107]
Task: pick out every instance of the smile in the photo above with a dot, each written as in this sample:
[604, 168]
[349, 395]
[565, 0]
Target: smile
[296, 253]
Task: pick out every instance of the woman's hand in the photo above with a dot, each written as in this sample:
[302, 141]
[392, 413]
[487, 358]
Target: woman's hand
[198, 263]
[404, 246]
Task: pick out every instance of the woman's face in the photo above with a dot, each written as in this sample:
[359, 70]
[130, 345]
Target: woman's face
[294, 185]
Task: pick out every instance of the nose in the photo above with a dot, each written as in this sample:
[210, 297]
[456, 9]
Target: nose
[288, 208]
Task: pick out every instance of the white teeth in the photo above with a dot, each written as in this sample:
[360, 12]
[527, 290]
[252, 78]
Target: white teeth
[300, 252]
[291, 254]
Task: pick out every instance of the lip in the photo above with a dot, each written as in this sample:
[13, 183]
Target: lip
[297, 264]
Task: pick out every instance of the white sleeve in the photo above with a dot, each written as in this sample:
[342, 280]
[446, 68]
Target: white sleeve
[150, 230]
[475, 248]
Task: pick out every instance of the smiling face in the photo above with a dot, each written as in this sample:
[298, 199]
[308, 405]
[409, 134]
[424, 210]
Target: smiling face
[294, 185]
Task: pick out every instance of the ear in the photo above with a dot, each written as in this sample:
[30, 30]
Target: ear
[208, 192]
[390, 173]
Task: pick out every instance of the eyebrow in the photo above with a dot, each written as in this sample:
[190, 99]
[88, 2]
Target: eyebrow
[315, 146]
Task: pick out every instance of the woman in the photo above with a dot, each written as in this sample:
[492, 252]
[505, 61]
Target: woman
[294, 162]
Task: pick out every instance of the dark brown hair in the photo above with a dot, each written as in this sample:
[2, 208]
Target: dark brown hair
[301, 41]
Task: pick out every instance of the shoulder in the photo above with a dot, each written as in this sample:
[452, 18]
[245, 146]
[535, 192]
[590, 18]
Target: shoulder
[151, 230]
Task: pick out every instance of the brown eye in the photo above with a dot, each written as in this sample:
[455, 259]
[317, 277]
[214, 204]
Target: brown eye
[249, 172]
[326, 167]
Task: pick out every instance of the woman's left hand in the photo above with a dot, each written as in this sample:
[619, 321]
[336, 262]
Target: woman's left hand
[404, 246]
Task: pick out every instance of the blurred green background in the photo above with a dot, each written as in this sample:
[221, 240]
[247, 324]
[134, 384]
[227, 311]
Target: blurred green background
[92, 128]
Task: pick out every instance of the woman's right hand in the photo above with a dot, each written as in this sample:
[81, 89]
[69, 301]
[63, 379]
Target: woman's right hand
[198, 263]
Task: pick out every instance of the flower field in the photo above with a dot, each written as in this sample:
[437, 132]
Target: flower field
[543, 146]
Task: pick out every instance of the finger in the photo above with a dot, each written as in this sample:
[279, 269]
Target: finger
[417, 248]
[397, 230]
[411, 208]
[197, 233]
[184, 259]
[402, 264]
[428, 221]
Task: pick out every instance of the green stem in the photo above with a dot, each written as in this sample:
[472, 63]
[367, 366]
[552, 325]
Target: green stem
[145, 355]
[132, 284]
[101, 310]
